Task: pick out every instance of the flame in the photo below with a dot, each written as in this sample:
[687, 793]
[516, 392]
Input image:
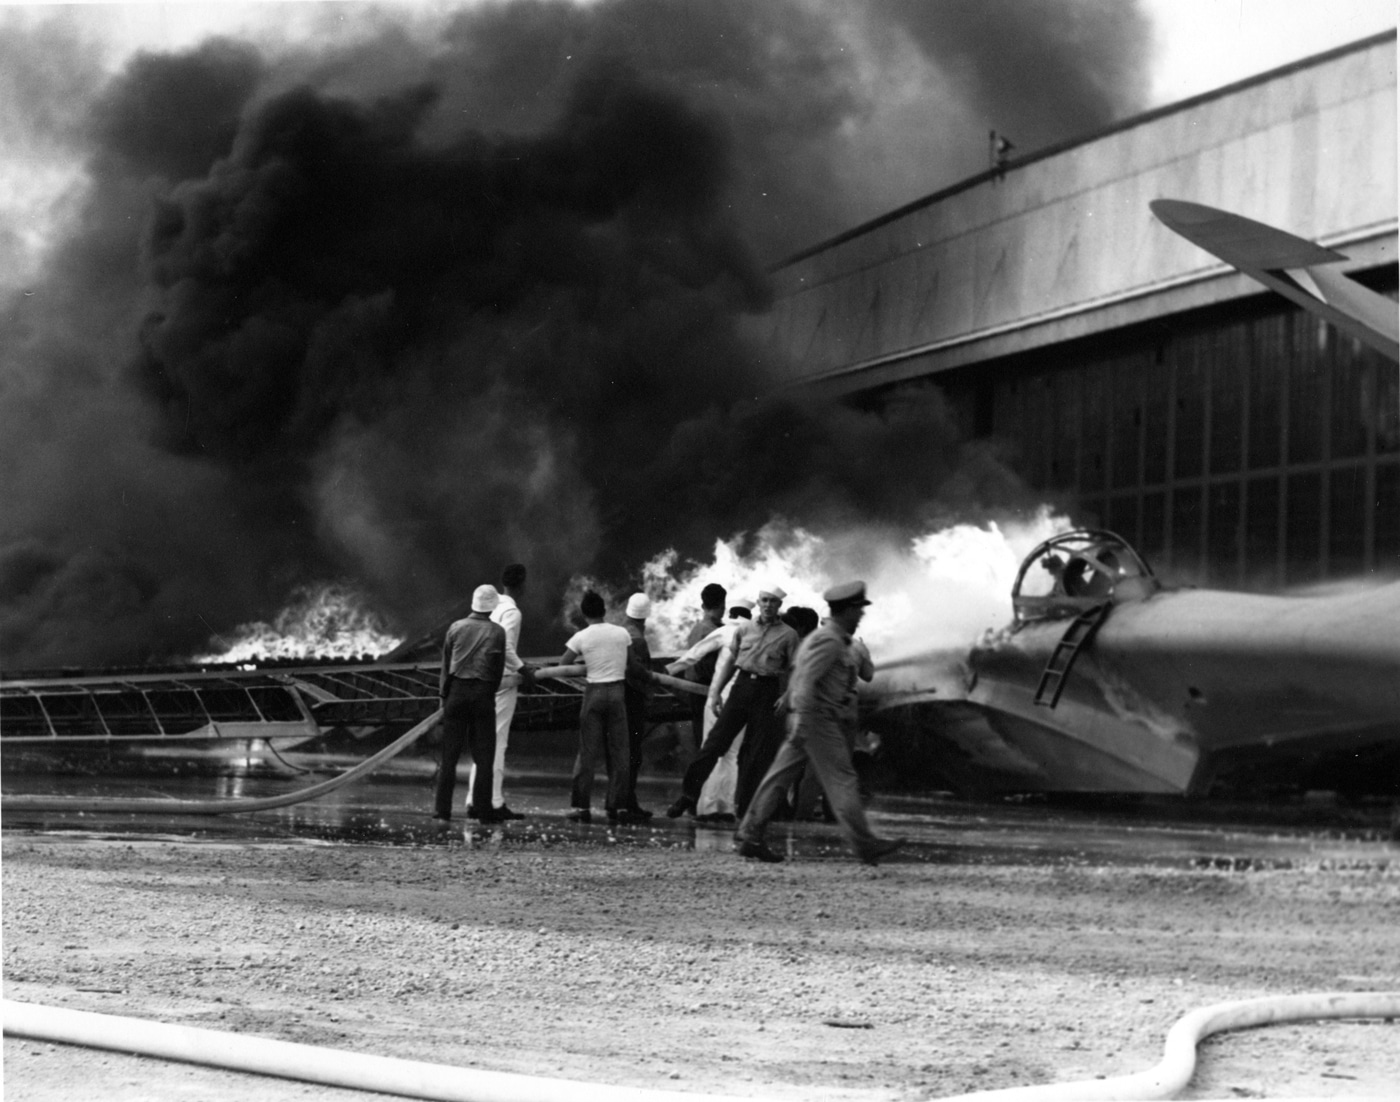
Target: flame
[939, 591]
[320, 621]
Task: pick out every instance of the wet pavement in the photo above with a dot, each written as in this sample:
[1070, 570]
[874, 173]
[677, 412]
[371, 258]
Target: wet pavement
[393, 809]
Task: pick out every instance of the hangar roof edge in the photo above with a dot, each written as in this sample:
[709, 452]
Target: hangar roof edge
[1060, 147]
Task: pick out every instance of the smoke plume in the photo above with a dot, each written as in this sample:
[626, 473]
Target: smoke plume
[398, 309]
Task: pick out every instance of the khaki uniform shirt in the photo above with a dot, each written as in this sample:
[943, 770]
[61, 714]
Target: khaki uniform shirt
[764, 650]
[823, 685]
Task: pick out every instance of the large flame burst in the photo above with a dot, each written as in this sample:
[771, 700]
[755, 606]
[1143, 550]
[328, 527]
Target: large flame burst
[941, 589]
[322, 621]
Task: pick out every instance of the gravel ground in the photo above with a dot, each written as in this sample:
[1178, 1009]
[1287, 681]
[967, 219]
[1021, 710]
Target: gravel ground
[688, 971]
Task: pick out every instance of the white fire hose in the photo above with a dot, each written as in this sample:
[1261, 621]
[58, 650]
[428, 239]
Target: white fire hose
[417, 1079]
[1178, 1061]
[310, 1063]
[219, 807]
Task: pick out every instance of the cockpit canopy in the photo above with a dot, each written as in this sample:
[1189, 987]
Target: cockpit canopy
[1077, 570]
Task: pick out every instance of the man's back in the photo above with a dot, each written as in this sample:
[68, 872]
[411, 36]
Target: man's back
[603, 648]
[475, 648]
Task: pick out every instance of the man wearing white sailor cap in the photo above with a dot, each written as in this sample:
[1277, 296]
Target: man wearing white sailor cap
[759, 658]
[473, 663]
[822, 698]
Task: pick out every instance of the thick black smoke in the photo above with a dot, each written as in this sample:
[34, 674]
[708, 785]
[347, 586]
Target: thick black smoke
[400, 312]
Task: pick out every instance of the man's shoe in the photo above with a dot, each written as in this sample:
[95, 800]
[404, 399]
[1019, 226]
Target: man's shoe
[445, 817]
[883, 848]
[627, 815]
[580, 815]
[505, 814]
[492, 816]
[471, 812]
[680, 807]
[639, 814]
[758, 851]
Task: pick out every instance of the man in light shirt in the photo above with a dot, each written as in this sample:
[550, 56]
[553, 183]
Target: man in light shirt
[507, 614]
[604, 649]
[761, 654]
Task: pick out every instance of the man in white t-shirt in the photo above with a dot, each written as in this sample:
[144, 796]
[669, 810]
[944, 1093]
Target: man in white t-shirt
[603, 648]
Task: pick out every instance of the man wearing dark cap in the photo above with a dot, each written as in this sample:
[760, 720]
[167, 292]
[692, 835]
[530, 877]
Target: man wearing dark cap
[712, 599]
[761, 652]
[473, 662]
[822, 697]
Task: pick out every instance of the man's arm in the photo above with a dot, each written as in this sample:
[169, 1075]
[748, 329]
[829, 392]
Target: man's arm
[690, 658]
[865, 667]
[639, 674]
[446, 677]
[785, 674]
[496, 658]
[510, 622]
[724, 670]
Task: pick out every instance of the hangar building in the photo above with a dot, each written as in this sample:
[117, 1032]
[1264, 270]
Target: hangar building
[1235, 439]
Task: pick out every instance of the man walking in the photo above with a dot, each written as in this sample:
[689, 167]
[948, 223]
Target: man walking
[603, 649]
[507, 614]
[824, 718]
[473, 661]
[761, 652]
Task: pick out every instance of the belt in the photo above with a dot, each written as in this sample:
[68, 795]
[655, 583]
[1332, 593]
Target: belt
[759, 676]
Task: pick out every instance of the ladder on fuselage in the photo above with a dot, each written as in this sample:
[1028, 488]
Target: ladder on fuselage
[1076, 636]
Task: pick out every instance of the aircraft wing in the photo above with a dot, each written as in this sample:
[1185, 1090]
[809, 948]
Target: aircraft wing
[277, 701]
[1301, 271]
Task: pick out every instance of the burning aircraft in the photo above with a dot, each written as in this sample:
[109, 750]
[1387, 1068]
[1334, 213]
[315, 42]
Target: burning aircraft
[1107, 681]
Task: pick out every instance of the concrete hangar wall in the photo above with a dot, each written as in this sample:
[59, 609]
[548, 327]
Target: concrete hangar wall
[1234, 438]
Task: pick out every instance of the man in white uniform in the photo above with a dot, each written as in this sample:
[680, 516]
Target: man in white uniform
[507, 614]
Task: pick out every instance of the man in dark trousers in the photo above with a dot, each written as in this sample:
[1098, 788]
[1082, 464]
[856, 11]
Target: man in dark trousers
[604, 650]
[759, 658]
[473, 662]
[712, 599]
[823, 700]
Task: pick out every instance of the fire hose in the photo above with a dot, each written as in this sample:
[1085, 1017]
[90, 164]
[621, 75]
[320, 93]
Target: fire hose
[246, 805]
[241, 805]
[1178, 1061]
[418, 1079]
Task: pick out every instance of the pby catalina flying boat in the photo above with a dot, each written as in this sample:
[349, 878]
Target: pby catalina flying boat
[1105, 681]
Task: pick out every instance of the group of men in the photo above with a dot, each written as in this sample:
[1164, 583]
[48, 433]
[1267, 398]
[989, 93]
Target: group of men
[793, 699]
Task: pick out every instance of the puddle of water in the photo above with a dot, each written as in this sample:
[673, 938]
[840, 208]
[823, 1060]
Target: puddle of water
[393, 809]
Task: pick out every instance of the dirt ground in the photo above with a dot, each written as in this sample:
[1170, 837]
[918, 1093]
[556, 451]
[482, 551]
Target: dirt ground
[688, 970]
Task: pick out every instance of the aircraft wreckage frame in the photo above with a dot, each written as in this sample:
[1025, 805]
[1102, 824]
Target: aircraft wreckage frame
[293, 702]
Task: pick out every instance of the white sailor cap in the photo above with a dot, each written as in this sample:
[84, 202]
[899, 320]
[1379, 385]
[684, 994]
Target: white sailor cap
[485, 598]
